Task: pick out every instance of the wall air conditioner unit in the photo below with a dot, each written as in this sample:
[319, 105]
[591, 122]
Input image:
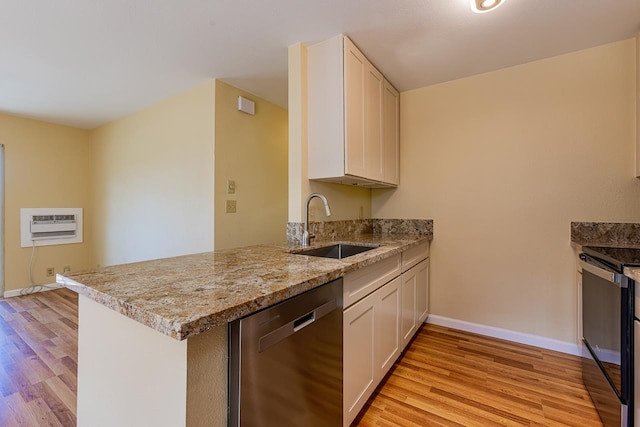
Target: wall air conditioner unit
[50, 226]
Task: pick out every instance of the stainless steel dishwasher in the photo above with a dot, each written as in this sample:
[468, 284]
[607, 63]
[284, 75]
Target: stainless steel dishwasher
[285, 364]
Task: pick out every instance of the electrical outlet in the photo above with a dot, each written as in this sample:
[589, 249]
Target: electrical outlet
[231, 206]
[51, 271]
[66, 269]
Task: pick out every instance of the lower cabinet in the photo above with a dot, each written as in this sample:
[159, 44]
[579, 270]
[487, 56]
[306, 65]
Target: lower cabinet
[415, 299]
[372, 345]
[387, 328]
[357, 356]
[386, 303]
[422, 291]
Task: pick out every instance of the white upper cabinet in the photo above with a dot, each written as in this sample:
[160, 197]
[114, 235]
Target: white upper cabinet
[353, 115]
[354, 112]
[391, 134]
[373, 148]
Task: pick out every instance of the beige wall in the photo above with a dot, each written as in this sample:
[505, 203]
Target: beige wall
[345, 201]
[46, 165]
[638, 104]
[152, 180]
[252, 151]
[503, 162]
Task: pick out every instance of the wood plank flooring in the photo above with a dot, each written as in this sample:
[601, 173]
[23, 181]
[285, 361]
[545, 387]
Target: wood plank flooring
[38, 359]
[453, 378]
[445, 378]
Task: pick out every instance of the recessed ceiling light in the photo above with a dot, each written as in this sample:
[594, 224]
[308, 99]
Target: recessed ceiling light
[482, 6]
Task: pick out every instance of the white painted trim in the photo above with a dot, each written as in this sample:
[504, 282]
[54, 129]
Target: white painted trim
[28, 290]
[505, 334]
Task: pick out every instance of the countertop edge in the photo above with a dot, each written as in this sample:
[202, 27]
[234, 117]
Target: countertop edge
[183, 329]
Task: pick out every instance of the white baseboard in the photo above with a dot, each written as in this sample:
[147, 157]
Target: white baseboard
[505, 334]
[31, 290]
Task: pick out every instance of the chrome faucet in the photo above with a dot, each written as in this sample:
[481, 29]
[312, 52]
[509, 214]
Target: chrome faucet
[306, 237]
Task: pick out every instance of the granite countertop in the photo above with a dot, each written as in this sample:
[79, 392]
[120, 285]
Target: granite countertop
[187, 295]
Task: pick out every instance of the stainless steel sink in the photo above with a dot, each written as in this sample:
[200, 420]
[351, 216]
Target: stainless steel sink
[337, 251]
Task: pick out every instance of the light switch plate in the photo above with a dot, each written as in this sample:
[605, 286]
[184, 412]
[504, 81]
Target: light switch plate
[231, 186]
[231, 206]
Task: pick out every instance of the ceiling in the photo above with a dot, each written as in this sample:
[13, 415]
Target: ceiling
[85, 63]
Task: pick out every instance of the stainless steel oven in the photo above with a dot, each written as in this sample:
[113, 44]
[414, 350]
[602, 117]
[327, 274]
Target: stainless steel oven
[607, 329]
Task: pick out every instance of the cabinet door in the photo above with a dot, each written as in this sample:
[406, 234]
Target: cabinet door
[409, 288]
[373, 140]
[391, 134]
[387, 327]
[358, 356]
[355, 65]
[422, 291]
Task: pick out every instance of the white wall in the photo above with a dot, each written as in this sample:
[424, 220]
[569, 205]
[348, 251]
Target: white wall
[152, 181]
[503, 162]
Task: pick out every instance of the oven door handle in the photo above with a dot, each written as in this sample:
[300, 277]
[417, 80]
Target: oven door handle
[607, 275]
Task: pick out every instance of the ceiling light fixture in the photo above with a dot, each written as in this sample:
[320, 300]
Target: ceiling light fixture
[482, 6]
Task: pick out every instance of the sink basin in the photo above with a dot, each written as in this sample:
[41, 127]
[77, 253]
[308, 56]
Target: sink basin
[338, 251]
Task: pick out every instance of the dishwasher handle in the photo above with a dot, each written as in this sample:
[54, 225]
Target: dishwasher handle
[304, 321]
[272, 338]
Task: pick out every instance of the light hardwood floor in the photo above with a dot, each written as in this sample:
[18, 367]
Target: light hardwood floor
[446, 377]
[38, 359]
[453, 378]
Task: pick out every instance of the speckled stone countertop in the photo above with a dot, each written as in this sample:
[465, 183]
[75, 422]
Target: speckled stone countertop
[619, 234]
[187, 295]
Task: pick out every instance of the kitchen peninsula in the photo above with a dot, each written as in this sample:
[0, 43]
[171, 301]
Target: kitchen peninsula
[153, 335]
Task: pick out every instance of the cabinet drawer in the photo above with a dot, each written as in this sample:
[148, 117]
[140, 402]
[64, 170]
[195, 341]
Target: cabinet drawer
[414, 255]
[362, 282]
